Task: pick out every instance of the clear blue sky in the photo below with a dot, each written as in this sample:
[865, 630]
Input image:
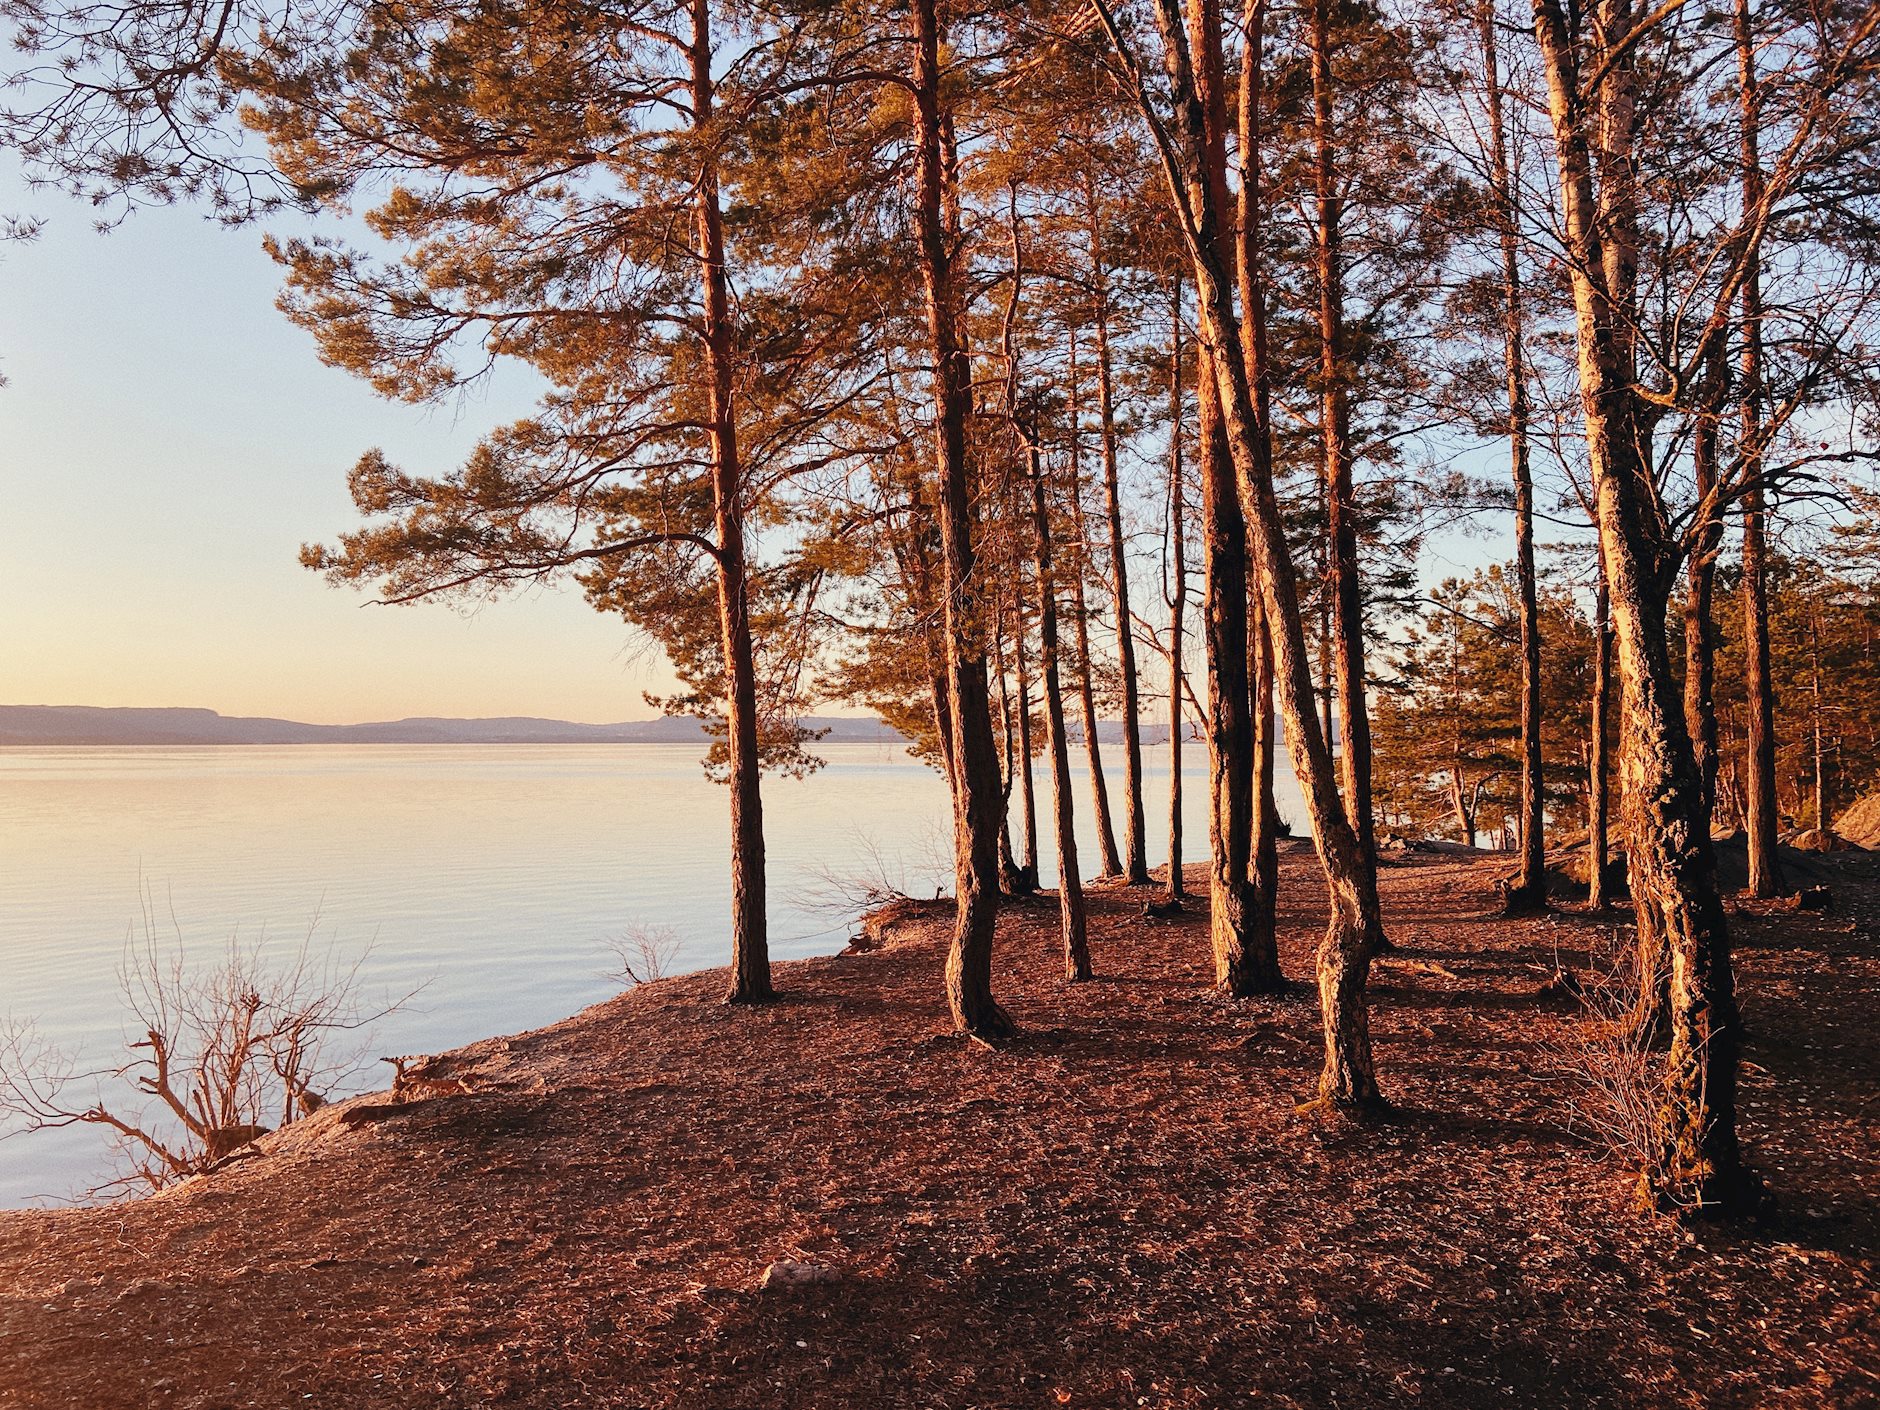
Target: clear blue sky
[167, 443]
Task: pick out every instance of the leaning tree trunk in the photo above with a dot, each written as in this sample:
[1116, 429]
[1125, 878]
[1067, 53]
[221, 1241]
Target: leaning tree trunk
[1529, 891]
[1761, 815]
[976, 807]
[1240, 969]
[750, 943]
[1070, 881]
[1348, 1078]
[1135, 841]
[1694, 1160]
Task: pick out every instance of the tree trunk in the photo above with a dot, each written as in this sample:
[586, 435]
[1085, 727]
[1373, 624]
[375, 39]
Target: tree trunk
[1346, 586]
[976, 807]
[1070, 881]
[1239, 968]
[1700, 631]
[1178, 600]
[1528, 894]
[1135, 841]
[1011, 875]
[1695, 1161]
[1762, 813]
[1599, 767]
[1248, 249]
[1348, 1078]
[1087, 709]
[1027, 789]
[750, 944]
[1111, 862]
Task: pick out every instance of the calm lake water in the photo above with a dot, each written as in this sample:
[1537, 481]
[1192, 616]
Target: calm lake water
[491, 875]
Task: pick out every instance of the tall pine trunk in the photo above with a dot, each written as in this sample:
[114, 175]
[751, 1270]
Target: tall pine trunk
[1135, 840]
[1178, 598]
[1108, 857]
[1700, 628]
[1761, 814]
[1695, 1159]
[1529, 891]
[750, 952]
[1239, 967]
[1070, 881]
[1599, 764]
[1348, 1078]
[1264, 848]
[976, 805]
[1341, 527]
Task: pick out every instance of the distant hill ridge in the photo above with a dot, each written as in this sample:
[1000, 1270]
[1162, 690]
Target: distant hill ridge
[94, 724]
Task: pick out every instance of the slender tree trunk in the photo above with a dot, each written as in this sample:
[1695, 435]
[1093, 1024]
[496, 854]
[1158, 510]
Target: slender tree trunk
[1178, 599]
[1599, 767]
[750, 944]
[1821, 756]
[1135, 841]
[1011, 875]
[1348, 1078]
[1264, 847]
[1070, 881]
[1347, 588]
[1027, 789]
[1762, 814]
[976, 808]
[1109, 859]
[1239, 968]
[1700, 630]
[1695, 1159]
[1111, 862]
[1529, 891]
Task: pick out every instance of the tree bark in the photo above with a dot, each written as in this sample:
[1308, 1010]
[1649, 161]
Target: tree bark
[1108, 857]
[1346, 585]
[1599, 765]
[1070, 881]
[1695, 1161]
[1027, 788]
[1762, 813]
[1700, 628]
[750, 944]
[1248, 248]
[1239, 968]
[976, 808]
[1178, 598]
[1135, 826]
[1348, 1078]
[1528, 894]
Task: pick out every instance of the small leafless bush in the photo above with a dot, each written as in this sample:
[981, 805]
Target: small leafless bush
[1616, 1076]
[870, 880]
[642, 954]
[222, 1051]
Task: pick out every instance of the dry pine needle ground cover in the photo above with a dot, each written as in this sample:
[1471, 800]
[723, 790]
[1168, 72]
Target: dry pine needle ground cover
[1122, 1209]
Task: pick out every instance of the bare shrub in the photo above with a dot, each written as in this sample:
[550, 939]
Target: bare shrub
[642, 954]
[1616, 1076]
[871, 878]
[222, 1052]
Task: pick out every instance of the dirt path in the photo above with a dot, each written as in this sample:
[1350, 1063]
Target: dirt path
[1120, 1210]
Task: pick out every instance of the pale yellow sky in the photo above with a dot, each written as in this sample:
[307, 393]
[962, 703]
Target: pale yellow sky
[168, 441]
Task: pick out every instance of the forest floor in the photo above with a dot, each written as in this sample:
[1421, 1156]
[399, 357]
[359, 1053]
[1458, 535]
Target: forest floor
[1121, 1208]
